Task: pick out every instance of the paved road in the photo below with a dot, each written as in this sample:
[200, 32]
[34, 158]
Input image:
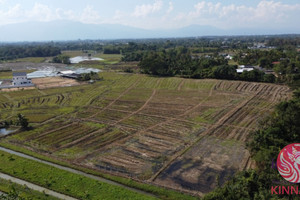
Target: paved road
[74, 171]
[35, 187]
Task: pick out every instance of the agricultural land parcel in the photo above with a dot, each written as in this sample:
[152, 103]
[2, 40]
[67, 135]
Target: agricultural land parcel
[184, 134]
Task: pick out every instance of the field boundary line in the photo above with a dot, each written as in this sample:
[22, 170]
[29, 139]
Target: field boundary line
[111, 103]
[53, 130]
[152, 179]
[180, 85]
[79, 139]
[142, 107]
[41, 92]
[8, 97]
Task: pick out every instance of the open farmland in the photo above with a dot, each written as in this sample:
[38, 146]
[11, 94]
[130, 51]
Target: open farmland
[180, 133]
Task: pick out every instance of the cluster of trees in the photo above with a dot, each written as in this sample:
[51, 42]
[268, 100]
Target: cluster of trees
[110, 49]
[9, 52]
[61, 59]
[265, 59]
[20, 121]
[279, 130]
[281, 41]
[89, 76]
[180, 62]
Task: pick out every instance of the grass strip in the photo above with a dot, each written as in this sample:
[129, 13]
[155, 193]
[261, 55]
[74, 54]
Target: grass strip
[62, 181]
[22, 192]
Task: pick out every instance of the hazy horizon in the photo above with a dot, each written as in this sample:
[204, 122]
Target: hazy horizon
[255, 17]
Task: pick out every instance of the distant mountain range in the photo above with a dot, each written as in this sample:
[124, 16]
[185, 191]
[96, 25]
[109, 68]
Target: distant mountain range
[70, 30]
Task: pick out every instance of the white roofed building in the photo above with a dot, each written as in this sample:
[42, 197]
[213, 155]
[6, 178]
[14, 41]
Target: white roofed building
[20, 79]
[242, 68]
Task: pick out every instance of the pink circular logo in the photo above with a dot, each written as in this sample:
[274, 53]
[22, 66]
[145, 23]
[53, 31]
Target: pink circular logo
[288, 163]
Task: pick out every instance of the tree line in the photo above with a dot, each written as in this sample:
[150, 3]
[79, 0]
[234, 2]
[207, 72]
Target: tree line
[180, 62]
[11, 52]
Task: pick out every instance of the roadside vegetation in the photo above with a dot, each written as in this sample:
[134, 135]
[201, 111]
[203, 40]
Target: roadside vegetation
[62, 181]
[13, 191]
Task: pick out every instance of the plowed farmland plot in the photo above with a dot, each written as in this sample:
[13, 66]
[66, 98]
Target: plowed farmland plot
[184, 134]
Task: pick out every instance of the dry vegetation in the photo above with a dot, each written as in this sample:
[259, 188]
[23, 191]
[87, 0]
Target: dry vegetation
[51, 82]
[180, 133]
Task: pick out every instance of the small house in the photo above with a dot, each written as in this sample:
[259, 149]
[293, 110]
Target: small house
[20, 79]
[243, 68]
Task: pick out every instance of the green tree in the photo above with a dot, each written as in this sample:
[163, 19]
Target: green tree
[269, 78]
[225, 72]
[61, 59]
[23, 121]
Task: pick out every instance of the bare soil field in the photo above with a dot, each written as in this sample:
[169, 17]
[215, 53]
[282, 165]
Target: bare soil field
[16, 89]
[52, 82]
[184, 134]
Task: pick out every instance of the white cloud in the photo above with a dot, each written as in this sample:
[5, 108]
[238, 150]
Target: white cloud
[146, 9]
[12, 15]
[90, 16]
[171, 7]
[65, 14]
[163, 14]
[41, 12]
[265, 13]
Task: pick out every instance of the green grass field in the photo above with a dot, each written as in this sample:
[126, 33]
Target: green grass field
[31, 59]
[5, 75]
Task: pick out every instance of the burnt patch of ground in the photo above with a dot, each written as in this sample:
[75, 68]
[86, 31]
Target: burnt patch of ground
[209, 163]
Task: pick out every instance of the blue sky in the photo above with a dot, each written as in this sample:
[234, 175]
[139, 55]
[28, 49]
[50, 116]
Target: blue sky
[158, 14]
